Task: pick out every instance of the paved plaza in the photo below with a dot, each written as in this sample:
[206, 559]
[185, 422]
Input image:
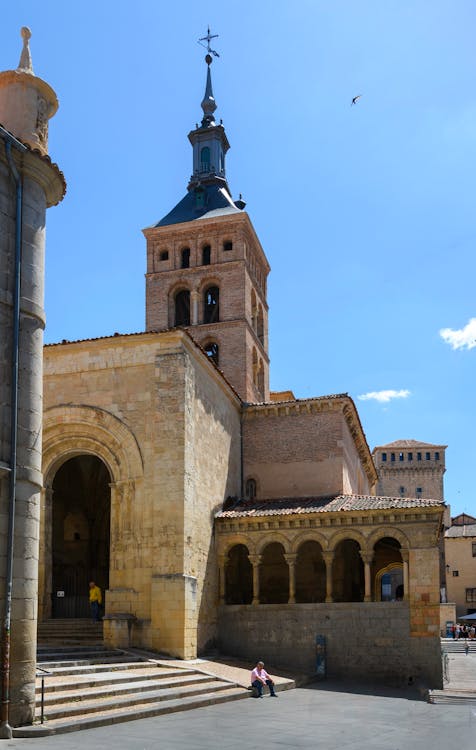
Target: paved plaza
[319, 716]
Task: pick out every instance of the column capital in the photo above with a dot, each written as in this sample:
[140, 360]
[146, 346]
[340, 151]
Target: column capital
[405, 553]
[255, 559]
[367, 557]
[290, 557]
[328, 556]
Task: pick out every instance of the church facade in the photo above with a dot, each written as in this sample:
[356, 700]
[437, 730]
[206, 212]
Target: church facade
[211, 511]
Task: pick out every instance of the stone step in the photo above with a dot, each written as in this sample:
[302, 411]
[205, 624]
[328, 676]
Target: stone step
[147, 673]
[85, 668]
[87, 662]
[106, 689]
[127, 701]
[139, 711]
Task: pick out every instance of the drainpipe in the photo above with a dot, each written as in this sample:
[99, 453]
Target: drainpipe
[5, 728]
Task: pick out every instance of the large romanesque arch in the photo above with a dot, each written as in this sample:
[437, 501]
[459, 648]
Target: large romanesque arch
[84, 447]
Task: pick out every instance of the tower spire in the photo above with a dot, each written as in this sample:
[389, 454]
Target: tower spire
[208, 104]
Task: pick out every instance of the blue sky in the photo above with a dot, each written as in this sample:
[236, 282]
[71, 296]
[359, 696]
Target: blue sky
[366, 213]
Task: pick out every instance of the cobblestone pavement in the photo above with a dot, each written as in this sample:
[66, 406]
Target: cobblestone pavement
[323, 716]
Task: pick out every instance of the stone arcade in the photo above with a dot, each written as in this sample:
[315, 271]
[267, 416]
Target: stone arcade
[209, 510]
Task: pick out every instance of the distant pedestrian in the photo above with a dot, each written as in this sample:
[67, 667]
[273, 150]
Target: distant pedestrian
[260, 678]
[95, 600]
[466, 648]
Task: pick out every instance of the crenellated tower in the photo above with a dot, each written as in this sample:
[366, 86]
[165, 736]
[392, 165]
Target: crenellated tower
[206, 269]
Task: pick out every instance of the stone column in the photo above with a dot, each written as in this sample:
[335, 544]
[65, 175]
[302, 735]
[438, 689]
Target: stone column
[291, 561]
[222, 565]
[26, 104]
[367, 558]
[328, 558]
[405, 553]
[194, 307]
[255, 560]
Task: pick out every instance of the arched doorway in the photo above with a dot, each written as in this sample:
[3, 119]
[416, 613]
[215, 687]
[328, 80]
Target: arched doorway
[348, 572]
[81, 519]
[239, 576]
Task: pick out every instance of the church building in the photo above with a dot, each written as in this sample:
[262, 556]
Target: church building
[212, 512]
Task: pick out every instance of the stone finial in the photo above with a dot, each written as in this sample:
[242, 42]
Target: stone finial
[25, 65]
[26, 101]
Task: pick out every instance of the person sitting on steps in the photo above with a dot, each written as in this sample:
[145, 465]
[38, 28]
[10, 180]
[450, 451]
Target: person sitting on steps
[259, 678]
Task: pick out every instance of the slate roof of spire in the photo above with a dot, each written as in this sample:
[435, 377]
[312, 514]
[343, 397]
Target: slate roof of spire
[216, 202]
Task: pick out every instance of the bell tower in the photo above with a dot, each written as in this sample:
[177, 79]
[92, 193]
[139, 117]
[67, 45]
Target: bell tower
[206, 269]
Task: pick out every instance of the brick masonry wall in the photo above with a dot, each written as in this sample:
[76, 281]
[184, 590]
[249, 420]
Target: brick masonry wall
[294, 454]
[368, 642]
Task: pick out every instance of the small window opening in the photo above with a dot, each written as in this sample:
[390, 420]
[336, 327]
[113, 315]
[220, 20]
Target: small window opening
[164, 255]
[211, 350]
[473, 549]
[392, 457]
[186, 257]
[250, 489]
[227, 246]
[402, 491]
[384, 457]
[400, 456]
[419, 490]
[437, 456]
[211, 305]
[418, 456]
[206, 254]
[410, 456]
[205, 159]
[455, 573]
[427, 456]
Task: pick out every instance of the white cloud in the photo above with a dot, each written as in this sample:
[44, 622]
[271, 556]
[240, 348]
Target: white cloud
[383, 397]
[465, 338]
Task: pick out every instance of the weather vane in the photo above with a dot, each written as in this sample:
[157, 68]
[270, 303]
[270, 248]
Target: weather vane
[207, 39]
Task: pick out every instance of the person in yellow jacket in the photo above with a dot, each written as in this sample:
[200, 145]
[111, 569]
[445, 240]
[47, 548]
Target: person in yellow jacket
[95, 600]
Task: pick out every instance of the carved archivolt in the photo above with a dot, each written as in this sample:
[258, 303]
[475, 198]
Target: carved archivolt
[70, 430]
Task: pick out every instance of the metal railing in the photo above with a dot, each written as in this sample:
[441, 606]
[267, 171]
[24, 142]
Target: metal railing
[44, 673]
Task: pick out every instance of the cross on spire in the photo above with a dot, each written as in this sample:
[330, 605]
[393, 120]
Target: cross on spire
[208, 39]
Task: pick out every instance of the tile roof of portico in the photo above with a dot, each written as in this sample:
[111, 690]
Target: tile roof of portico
[351, 503]
[465, 530]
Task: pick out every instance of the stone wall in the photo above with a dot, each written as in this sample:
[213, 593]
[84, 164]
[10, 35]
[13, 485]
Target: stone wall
[166, 425]
[369, 642]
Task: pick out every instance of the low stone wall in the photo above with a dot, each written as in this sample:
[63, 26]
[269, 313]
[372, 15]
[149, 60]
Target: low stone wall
[365, 641]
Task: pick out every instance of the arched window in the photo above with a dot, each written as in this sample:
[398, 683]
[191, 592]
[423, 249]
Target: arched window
[182, 308]
[250, 489]
[211, 305]
[212, 351]
[186, 257]
[206, 253]
[205, 159]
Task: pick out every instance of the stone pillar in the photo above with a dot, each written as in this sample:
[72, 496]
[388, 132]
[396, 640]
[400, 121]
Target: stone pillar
[255, 560]
[291, 561]
[222, 565]
[26, 103]
[328, 558]
[194, 307]
[367, 558]
[405, 557]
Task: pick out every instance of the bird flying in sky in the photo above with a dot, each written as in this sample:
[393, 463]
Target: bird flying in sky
[355, 99]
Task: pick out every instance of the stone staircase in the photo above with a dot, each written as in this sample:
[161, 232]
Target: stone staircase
[460, 683]
[87, 687]
[69, 632]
